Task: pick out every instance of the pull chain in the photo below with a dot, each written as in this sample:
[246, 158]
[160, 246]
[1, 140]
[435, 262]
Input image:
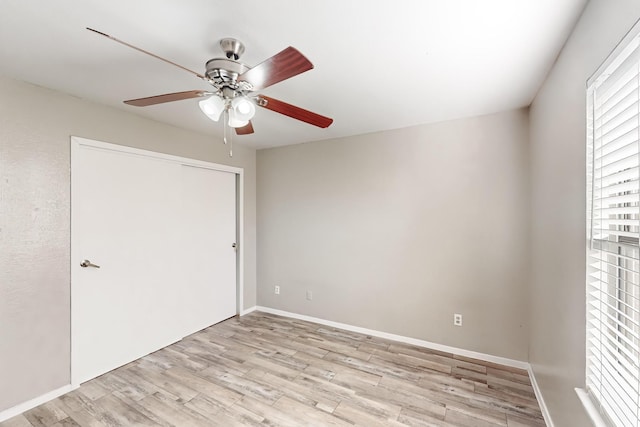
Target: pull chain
[226, 129]
[225, 125]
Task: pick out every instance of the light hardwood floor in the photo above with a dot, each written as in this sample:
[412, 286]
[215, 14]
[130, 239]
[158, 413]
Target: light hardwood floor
[268, 370]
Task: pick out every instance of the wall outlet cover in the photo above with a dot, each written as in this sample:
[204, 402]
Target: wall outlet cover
[457, 319]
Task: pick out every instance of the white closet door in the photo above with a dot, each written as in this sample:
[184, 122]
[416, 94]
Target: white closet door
[162, 235]
[209, 215]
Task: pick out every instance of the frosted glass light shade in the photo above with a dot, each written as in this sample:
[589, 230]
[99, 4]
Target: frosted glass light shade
[235, 121]
[243, 108]
[212, 107]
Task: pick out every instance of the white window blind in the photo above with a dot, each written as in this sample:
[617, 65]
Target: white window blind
[613, 221]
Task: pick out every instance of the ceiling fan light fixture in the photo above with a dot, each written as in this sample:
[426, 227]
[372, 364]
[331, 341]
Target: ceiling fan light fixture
[235, 121]
[244, 109]
[235, 85]
[212, 107]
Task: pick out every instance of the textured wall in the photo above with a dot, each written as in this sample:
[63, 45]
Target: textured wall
[557, 347]
[35, 129]
[396, 231]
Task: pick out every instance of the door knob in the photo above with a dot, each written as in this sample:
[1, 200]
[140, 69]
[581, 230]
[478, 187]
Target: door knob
[86, 263]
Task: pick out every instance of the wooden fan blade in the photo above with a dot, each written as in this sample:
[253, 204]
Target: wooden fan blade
[148, 53]
[294, 112]
[286, 64]
[167, 97]
[245, 130]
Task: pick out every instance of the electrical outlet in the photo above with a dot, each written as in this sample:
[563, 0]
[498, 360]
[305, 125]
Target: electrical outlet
[276, 290]
[457, 319]
[309, 295]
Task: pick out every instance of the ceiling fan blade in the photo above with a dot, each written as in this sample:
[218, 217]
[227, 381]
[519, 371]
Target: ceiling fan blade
[286, 64]
[294, 112]
[167, 97]
[148, 53]
[245, 130]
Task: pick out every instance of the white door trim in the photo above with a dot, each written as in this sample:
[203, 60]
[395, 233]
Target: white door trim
[78, 142]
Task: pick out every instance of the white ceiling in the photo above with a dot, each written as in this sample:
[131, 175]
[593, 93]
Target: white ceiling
[379, 65]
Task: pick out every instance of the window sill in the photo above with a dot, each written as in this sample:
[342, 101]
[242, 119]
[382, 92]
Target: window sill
[591, 409]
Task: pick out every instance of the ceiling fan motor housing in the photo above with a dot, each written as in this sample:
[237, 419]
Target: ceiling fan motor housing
[225, 72]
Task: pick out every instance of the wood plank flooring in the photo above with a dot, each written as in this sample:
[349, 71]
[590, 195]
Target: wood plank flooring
[266, 370]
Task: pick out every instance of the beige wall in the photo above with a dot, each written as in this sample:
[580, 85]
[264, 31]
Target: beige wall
[557, 345]
[35, 126]
[395, 231]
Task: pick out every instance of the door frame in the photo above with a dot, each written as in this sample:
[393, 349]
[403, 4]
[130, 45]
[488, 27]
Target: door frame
[77, 143]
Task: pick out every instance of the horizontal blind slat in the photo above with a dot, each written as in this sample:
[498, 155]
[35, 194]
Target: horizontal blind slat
[624, 414]
[632, 186]
[615, 78]
[622, 150]
[610, 371]
[604, 234]
[626, 94]
[610, 327]
[595, 266]
[606, 222]
[616, 177]
[630, 161]
[631, 300]
[628, 323]
[630, 303]
[624, 380]
[626, 366]
[631, 197]
[606, 252]
[624, 210]
[608, 276]
[623, 100]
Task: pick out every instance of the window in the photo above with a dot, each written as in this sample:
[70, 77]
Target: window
[613, 221]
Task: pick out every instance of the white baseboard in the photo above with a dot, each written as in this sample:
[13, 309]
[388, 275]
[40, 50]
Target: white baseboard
[30, 404]
[248, 310]
[543, 406]
[407, 340]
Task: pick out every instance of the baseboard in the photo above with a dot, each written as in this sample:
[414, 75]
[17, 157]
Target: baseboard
[543, 406]
[248, 310]
[30, 404]
[407, 340]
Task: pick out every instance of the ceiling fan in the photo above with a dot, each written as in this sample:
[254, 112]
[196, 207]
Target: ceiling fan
[235, 85]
